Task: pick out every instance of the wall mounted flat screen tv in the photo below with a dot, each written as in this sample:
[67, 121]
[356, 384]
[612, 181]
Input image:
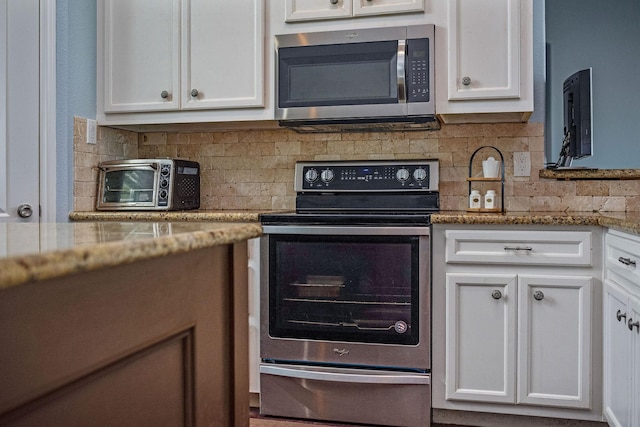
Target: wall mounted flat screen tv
[577, 109]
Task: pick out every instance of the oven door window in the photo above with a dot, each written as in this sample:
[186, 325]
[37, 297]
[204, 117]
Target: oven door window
[129, 185]
[344, 288]
[345, 74]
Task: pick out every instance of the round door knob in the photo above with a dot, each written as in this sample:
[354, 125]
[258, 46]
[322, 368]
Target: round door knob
[164, 94]
[620, 315]
[538, 295]
[496, 294]
[25, 210]
[194, 93]
[466, 81]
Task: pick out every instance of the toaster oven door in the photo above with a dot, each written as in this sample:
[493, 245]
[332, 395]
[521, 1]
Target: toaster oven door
[128, 187]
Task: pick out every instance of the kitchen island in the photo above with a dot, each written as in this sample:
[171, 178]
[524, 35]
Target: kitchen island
[124, 323]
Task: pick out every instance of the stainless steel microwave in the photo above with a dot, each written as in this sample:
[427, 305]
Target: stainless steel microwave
[149, 184]
[367, 77]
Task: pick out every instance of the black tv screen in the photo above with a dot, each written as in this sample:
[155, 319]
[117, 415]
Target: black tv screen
[577, 114]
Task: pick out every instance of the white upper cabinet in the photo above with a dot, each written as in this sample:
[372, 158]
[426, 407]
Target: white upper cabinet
[307, 10]
[141, 55]
[222, 58]
[487, 60]
[485, 50]
[176, 55]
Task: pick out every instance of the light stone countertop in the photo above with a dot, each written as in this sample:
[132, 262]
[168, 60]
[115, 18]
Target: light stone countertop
[190, 215]
[31, 252]
[629, 221]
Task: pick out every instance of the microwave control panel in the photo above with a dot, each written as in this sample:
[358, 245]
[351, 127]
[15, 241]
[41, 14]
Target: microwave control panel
[417, 70]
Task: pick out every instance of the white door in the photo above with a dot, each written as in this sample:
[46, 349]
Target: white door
[481, 337]
[20, 117]
[215, 35]
[554, 340]
[484, 49]
[141, 55]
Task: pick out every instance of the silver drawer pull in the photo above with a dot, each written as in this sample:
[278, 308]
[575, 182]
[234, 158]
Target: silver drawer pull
[627, 261]
[518, 248]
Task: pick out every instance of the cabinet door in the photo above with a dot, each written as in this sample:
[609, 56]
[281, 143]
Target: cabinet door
[634, 331]
[141, 55]
[617, 356]
[380, 7]
[308, 10]
[222, 54]
[554, 346]
[480, 337]
[484, 49]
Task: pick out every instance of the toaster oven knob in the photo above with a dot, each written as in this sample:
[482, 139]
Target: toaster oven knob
[326, 175]
[419, 174]
[165, 169]
[311, 175]
[402, 175]
[163, 194]
[164, 182]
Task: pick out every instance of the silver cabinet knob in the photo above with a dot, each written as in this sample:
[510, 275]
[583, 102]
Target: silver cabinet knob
[164, 94]
[194, 93]
[631, 324]
[620, 315]
[466, 81]
[25, 210]
[333, 1]
[496, 294]
[538, 295]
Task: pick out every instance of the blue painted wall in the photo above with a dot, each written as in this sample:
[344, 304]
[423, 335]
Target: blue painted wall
[606, 37]
[75, 87]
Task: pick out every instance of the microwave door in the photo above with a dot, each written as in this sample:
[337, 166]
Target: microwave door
[341, 81]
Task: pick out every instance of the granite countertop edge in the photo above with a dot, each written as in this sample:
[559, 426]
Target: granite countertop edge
[29, 268]
[615, 220]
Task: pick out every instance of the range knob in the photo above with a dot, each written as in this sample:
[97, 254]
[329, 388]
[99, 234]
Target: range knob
[419, 174]
[402, 175]
[326, 175]
[311, 175]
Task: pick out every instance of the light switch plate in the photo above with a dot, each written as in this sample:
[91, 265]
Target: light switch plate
[92, 131]
[521, 164]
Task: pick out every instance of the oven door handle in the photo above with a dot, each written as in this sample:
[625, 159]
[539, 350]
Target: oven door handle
[327, 230]
[306, 374]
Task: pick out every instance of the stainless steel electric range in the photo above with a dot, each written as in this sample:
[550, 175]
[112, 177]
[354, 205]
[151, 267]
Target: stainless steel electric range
[345, 294]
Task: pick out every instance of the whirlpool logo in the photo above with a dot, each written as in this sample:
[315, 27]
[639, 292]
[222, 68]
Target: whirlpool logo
[341, 352]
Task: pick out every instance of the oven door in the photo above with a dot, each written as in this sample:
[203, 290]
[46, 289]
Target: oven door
[346, 295]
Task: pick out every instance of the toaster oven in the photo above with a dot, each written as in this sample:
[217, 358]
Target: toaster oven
[149, 184]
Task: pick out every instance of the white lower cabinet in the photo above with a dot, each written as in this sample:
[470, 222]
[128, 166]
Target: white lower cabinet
[515, 332]
[529, 330]
[622, 331]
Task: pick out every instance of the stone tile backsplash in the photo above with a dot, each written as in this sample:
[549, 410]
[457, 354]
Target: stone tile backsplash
[254, 169]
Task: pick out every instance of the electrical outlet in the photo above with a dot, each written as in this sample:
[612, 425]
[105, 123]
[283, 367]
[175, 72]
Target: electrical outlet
[92, 131]
[521, 164]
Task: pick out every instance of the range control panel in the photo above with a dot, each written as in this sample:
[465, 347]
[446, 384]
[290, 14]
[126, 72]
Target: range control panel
[367, 176]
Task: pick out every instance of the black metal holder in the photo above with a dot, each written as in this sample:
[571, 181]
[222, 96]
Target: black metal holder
[472, 179]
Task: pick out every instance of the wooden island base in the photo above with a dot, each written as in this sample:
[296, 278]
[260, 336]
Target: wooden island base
[159, 342]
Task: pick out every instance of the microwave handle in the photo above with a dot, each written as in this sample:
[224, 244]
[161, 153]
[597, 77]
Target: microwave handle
[400, 71]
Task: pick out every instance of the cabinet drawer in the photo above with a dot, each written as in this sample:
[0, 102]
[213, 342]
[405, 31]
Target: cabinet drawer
[622, 256]
[564, 248]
